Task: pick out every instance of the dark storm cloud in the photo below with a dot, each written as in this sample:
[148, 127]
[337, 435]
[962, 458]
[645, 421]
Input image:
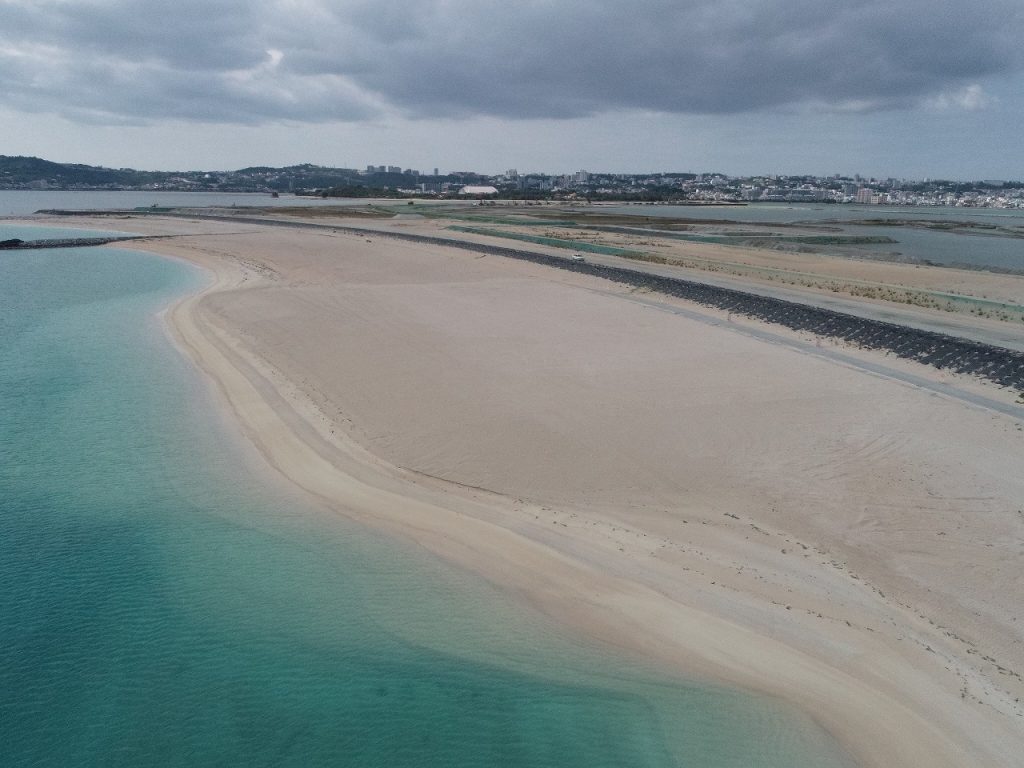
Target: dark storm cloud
[314, 60]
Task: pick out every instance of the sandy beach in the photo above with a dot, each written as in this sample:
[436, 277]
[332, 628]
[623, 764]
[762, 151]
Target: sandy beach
[666, 483]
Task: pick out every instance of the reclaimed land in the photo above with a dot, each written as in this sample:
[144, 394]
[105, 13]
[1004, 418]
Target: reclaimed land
[1001, 366]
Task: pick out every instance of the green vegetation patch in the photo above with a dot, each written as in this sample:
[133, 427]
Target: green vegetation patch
[576, 245]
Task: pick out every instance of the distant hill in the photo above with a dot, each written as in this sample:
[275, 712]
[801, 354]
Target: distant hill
[36, 173]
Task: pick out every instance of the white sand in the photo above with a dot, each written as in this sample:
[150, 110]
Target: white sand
[734, 509]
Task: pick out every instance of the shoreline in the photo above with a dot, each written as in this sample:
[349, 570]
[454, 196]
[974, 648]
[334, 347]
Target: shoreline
[571, 577]
[307, 461]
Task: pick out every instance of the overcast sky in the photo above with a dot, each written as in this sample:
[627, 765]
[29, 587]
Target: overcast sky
[908, 88]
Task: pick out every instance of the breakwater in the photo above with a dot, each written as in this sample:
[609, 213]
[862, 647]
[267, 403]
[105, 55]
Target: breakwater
[64, 242]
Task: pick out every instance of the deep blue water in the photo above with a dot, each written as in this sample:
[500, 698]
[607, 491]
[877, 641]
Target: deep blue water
[162, 602]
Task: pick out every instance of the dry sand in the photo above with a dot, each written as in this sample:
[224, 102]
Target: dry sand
[823, 270]
[736, 510]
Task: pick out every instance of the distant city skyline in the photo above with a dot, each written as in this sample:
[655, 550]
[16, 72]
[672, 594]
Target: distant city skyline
[915, 89]
[392, 181]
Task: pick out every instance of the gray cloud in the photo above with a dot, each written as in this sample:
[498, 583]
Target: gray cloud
[316, 60]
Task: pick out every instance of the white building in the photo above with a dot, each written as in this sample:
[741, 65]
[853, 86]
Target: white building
[475, 190]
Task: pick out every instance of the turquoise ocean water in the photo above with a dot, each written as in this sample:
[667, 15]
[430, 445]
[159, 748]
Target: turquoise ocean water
[162, 603]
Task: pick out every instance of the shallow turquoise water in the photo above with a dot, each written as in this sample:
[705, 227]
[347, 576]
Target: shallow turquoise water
[162, 604]
[8, 231]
